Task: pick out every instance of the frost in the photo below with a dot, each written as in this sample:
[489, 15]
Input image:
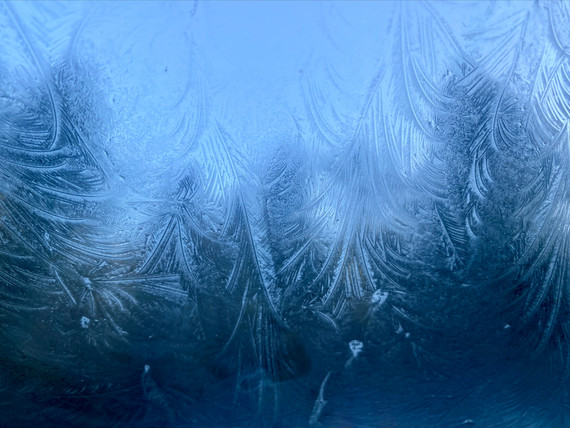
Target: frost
[379, 297]
[320, 403]
[355, 347]
[85, 322]
[333, 213]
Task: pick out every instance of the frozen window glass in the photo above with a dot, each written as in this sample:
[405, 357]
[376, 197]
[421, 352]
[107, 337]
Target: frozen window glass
[289, 214]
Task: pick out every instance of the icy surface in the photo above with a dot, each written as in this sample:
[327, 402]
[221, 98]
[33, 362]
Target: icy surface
[285, 214]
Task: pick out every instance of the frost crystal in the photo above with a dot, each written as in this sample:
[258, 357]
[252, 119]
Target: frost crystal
[233, 192]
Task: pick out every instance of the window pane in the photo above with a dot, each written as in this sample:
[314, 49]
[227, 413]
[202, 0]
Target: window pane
[284, 213]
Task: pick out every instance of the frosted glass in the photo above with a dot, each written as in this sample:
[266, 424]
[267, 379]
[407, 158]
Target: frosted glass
[285, 214]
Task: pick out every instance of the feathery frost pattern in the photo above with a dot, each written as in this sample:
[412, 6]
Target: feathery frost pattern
[285, 213]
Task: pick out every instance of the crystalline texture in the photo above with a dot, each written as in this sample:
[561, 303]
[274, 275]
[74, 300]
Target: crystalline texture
[284, 213]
